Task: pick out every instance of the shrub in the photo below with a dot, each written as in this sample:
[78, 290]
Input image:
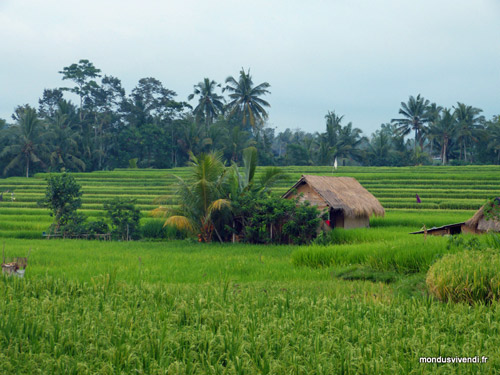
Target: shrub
[63, 198]
[124, 218]
[97, 227]
[261, 218]
[469, 276]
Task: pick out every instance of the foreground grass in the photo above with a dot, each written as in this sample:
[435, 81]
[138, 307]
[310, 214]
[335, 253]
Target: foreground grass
[89, 307]
[165, 262]
[108, 326]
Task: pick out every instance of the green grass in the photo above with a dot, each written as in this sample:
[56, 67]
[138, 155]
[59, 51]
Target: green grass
[332, 327]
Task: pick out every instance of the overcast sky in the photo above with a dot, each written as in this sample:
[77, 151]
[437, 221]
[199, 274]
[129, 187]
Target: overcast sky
[360, 58]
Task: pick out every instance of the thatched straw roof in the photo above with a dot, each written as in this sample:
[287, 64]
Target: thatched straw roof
[479, 222]
[342, 193]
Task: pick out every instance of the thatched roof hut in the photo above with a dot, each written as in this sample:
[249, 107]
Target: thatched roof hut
[349, 204]
[476, 224]
[479, 223]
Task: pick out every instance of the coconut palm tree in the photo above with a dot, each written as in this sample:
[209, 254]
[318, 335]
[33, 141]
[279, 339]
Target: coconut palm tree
[64, 140]
[415, 116]
[210, 104]
[27, 140]
[469, 126]
[379, 149]
[333, 127]
[201, 196]
[244, 180]
[433, 116]
[246, 99]
[349, 141]
[443, 131]
[243, 184]
[493, 130]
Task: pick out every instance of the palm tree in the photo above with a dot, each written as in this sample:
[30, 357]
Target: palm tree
[494, 137]
[64, 141]
[379, 148]
[246, 99]
[201, 196]
[27, 143]
[415, 116]
[433, 116]
[210, 104]
[333, 126]
[349, 142]
[468, 125]
[443, 131]
[243, 183]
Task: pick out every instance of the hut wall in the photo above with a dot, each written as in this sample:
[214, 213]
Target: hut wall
[308, 194]
[487, 225]
[439, 232]
[468, 229]
[356, 222]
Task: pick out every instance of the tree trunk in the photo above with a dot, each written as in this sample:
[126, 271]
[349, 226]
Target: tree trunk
[444, 152]
[27, 166]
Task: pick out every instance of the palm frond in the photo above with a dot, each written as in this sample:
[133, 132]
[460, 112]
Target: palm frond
[179, 222]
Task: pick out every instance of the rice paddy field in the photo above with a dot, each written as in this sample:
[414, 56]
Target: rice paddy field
[359, 306]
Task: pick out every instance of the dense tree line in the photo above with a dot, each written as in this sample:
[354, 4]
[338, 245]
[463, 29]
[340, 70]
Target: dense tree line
[151, 128]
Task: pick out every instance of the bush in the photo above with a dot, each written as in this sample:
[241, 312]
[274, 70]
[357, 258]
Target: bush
[97, 227]
[63, 198]
[261, 218]
[469, 276]
[124, 218]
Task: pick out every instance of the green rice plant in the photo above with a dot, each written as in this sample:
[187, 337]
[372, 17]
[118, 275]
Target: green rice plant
[106, 326]
[418, 218]
[340, 236]
[469, 276]
[407, 255]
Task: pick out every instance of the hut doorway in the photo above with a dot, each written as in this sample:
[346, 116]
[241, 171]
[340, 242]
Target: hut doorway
[336, 218]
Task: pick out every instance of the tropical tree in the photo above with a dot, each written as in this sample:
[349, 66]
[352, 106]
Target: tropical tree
[27, 140]
[469, 126]
[82, 74]
[201, 197]
[246, 99]
[64, 139]
[443, 132]
[242, 186]
[379, 149]
[493, 143]
[349, 141]
[433, 117]
[415, 116]
[333, 127]
[245, 181]
[210, 104]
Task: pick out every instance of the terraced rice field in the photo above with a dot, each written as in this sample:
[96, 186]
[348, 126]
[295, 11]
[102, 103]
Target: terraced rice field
[447, 193]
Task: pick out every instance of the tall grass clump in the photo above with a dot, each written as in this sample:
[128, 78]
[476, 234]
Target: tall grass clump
[341, 236]
[469, 276]
[403, 256]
